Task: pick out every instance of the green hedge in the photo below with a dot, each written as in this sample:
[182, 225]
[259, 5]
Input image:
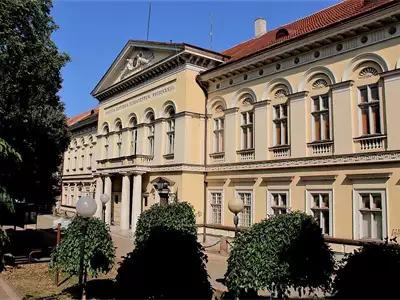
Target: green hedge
[285, 251]
[99, 249]
[371, 272]
[176, 216]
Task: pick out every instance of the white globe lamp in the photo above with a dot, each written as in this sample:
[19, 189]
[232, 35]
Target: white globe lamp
[86, 207]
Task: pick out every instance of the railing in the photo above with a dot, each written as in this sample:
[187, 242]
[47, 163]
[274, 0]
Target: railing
[321, 148]
[280, 151]
[247, 154]
[137, 159]
[218, 157]
[371, 143]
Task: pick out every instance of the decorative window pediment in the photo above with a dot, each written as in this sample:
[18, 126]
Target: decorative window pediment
[367, 73]
[281, 93]
[319, 84]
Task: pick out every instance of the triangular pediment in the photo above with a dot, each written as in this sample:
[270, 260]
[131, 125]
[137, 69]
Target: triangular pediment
[134, 58]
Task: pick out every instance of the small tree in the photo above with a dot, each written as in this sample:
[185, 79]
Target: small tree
[99, 249]
[371, 272]
[177, 216]
[285, 251]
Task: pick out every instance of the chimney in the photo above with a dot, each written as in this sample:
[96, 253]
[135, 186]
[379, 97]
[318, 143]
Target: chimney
[260, 27]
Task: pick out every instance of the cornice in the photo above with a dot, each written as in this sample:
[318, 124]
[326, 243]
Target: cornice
[184, 58]
[304, 47]
[341, 85]
[311, 178]
[335, 160]
[368, 176]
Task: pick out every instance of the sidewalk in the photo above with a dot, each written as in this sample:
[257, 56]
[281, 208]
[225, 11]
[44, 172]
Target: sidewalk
[7, 292]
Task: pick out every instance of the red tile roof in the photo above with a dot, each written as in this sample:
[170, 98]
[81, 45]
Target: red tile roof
[337, 13]
[83, 116]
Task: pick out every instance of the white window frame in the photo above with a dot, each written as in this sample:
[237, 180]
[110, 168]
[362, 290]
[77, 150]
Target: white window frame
[134, 140]
[270, 193]
[106, 147]
[66, 195]
[251, 192]
[72, 196]
[150, 139]
[281, 120]
[170, 147]
[90, 158]
[320, 113]
[357, 216]
[76, 160]
[369, 104]
[210, 215]
[218, 132]
[248, 127]
[119, 144]
[309, 206]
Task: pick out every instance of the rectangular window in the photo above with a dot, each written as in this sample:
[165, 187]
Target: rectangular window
[216, 207]
[119, 144]
[281, 134]
[246, 216]
[321, 118]
[65, 200]
[219, 135]
[134, 141]
[150, 139]
[90, 159]
[278, 202]
[72, 197]
[370, 215]
[170, 136]
[82, 161]
[247, 130]
[75, 161]
[320, 206]
[106, 144]
[68, 163]
[369, 110]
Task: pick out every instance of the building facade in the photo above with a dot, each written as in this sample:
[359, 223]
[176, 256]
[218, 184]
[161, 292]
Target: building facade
[302, 117]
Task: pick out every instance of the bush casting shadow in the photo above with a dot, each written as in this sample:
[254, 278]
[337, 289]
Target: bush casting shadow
[170, 264]
[95, 289]
[371, 272]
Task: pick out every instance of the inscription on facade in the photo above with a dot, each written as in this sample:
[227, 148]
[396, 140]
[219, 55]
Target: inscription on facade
[152, 94]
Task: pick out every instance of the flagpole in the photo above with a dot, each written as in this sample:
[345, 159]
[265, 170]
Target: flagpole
[148, 21]
[211, 37]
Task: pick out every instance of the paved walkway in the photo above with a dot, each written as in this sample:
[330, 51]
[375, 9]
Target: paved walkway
[7, 292]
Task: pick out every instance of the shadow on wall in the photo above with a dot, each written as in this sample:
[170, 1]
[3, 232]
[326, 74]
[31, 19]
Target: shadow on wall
[171, 264]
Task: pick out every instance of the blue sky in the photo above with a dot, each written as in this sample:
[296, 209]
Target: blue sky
[94, 32]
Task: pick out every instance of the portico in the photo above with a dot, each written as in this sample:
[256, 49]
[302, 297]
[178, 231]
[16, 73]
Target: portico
[125, 205]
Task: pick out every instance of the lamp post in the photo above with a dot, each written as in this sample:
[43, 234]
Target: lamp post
[104, 199]
[86, 208]
[236, 205]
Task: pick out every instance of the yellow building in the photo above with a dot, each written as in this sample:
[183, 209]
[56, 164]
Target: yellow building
[302, 117]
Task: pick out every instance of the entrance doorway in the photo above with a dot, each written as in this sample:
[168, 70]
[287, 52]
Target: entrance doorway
[116, 208]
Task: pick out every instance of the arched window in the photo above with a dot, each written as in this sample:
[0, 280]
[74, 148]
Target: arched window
[320, 107]
[118, 129]
[75, 155]
[106, 132]
[90, 155]
[279, 95]
[219, 129]
[247, 121]
[82, 159]
[170, 113]
[369, 100]
[150, 132]
[133, 124]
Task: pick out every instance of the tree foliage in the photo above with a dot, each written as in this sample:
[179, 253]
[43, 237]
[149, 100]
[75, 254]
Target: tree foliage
[178, 216]
[32, 116]
[99, 252]
[371, 272]
[169, 264]
[285, 251]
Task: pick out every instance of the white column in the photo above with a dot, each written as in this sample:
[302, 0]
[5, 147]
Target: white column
[136, 200]
[108, 191]
[98, 193]
[126, 184]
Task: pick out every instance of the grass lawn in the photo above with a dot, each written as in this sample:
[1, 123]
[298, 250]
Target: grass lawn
[35, 282]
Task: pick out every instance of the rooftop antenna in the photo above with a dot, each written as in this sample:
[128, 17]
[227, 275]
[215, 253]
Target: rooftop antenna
[148, 21]
[211, 29]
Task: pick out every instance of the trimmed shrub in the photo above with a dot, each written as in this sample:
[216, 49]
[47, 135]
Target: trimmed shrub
[285, 251]
[178, 216]
[99, 249]
[169, 264]
[371, 272]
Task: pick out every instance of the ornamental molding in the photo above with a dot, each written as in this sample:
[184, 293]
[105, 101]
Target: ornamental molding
[347, 36]
[319, 84]
[309, 162]
[367, 73]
